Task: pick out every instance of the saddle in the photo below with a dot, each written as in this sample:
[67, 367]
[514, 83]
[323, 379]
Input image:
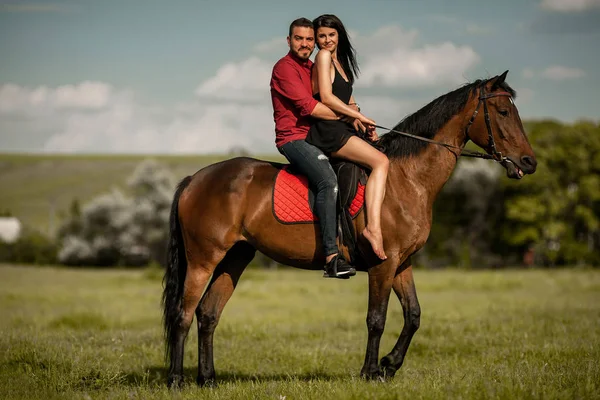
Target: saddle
[293, 199]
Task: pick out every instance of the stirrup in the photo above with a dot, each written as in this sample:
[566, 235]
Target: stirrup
[339, 268]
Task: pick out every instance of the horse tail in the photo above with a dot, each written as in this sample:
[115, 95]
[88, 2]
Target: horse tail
[175, 272]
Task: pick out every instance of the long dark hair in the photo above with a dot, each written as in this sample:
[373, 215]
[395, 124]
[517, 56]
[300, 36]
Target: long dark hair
[346, 54]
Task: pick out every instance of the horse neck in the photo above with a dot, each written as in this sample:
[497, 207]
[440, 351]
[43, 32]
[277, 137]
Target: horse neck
[431, 169]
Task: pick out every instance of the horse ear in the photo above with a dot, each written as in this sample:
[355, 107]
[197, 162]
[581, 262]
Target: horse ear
[499, 80]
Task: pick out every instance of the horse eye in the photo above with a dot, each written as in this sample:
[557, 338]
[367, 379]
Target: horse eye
[504, 113]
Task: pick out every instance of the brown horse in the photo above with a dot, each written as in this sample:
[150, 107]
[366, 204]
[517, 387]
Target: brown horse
[222, 215]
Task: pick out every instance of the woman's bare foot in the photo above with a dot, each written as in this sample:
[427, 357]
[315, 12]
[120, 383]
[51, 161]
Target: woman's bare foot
[376, 240]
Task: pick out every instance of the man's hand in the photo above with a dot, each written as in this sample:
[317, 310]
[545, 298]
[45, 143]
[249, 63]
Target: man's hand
[358, 126]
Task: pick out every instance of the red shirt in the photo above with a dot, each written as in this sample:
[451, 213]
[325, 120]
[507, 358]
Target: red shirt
[291, 94]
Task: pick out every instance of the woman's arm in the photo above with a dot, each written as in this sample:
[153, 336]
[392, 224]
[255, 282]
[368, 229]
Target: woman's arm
[353, 104]
[323, 66]
[369, 129]
[353, 121]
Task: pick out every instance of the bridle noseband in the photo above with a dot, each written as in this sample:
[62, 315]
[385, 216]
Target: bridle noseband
[496, 155]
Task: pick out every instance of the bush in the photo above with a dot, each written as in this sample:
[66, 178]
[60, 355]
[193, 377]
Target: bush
[31, 248]
[117, 228]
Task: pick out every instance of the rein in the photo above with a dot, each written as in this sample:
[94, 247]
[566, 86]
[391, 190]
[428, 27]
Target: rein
[496, 155]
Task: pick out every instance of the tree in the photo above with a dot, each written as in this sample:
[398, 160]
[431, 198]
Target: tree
[464, 217]
[122, 229]
[557, 213]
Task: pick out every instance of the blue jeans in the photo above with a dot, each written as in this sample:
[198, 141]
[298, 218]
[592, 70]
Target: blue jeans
[311, 161]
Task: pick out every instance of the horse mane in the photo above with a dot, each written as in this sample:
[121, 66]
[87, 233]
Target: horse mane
[428, 120]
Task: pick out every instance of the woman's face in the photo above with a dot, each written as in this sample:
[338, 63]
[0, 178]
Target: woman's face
[327, 38]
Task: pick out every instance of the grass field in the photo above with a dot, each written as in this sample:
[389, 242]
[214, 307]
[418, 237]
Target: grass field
[96, 334]
[37, 189]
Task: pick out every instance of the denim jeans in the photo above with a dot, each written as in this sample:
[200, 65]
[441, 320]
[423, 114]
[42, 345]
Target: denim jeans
[311, 161]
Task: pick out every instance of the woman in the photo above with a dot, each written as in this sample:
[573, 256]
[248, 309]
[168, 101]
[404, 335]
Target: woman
[333, 74]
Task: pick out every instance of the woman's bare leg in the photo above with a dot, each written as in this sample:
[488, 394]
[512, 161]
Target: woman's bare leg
[363, 153]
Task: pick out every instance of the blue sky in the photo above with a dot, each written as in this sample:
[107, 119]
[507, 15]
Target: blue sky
[141, 76]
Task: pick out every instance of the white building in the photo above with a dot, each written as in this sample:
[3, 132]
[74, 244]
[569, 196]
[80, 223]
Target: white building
[10, 229]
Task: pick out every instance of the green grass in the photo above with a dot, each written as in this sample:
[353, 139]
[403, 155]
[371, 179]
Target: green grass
[38, 189]
[97, 334]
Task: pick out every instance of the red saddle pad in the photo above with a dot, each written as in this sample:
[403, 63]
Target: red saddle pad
[291, 199]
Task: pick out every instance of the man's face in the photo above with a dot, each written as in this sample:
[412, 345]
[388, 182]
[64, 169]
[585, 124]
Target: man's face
[302, 42]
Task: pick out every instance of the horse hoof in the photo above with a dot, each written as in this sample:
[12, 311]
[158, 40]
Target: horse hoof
[175, 381]
[389, 372]
[376, 375]
[387, 368]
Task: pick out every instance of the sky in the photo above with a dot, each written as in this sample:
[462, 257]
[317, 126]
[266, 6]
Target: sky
[192, 77]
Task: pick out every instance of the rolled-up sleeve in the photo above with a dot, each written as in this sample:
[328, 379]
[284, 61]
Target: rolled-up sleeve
[286, 81]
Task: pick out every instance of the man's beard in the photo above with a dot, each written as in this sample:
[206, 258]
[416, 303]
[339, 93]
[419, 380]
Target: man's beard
[304, 53]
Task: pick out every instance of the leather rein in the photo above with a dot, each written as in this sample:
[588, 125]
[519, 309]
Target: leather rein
[496, 155]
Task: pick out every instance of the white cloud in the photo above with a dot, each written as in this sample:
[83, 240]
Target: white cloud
[528, 73]
[86, 95]
[278, 44]
[384, 40]
[123, 125]
[475, 29]
[559, 73]
[389, 57]
[392, 59]
[555, 73]
[213, 129]
[203, 128]
[387, 111]
[247, 80]
[428, 66]
[569, 5]
[221, 127]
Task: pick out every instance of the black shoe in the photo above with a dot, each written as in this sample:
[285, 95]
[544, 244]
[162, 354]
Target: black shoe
[338, 267]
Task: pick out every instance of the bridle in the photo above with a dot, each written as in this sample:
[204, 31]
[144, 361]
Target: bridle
[496, 155]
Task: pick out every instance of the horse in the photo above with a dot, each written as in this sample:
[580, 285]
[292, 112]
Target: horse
[222, 214]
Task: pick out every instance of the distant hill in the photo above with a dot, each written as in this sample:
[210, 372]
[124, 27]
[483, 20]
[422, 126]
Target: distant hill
[38, 189]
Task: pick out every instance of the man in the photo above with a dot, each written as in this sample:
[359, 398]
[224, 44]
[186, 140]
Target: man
[293, 108]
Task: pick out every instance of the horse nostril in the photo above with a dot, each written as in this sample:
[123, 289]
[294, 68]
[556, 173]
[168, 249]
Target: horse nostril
[529, 162]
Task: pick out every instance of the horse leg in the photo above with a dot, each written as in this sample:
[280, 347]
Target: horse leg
[217, 294]
[380, 286]
[404, 286]
[201, 263]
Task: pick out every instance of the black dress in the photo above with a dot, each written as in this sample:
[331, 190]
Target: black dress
[330, 136]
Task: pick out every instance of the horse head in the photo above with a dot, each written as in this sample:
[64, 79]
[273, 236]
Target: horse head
[499, 129]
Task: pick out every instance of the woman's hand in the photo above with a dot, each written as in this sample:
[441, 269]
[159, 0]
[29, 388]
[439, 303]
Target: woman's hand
[359, 126]
[366, 121]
